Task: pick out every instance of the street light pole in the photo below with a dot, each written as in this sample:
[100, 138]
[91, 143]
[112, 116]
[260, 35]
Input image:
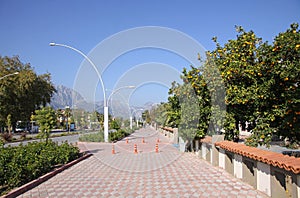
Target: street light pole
[105, 110]
[115, 91]
[130, 87]
[133, 113]
[67, 110]
[9, 75]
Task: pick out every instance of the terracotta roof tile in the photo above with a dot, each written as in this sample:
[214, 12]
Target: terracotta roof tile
[206, 139]
[289, 163]
[170, 129]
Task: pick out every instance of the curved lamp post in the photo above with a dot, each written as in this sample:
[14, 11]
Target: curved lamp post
[133, 113]
[113, 92]
[105, 125]
[9, 75]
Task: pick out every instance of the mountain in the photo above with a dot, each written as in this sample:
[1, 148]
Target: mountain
[65, 96]
[62, 97]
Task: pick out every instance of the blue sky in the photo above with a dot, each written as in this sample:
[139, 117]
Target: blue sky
[27, 28]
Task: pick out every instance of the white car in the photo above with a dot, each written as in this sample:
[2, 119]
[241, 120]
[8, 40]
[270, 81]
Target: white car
[19, 130]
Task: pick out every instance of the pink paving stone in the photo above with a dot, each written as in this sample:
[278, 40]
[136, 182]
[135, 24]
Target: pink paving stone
[146, 174]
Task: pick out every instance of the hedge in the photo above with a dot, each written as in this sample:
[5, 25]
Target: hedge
[24, 163]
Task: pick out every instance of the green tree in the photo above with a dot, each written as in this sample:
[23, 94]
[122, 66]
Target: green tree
[173, 107]
[261, 83]
[279, 109]
[23, 93]
[8, 123]
[237, 62]
[160, 114]
[100, 118]
[189, 106]
[68, 117]
[146, 116]
[195, 78]
[46, 120]
[286, 57]
[114, 125]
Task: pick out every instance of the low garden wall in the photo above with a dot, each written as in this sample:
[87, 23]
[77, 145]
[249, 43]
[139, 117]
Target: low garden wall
[275, 174]
[171, 133]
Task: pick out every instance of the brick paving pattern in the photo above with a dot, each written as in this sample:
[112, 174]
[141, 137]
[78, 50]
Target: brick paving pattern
[147, 173]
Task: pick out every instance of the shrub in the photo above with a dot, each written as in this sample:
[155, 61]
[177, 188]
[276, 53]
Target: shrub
[7, 137]
[99, 136]
[24, 163]
[23, 135]
[92, 137]
[120, 134]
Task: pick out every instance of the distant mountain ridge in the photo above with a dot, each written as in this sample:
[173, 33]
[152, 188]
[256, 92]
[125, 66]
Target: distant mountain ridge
[65, 96]
[62, 97]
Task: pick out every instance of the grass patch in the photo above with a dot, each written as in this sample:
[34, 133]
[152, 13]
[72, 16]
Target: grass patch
[92, 137]
[99, 136]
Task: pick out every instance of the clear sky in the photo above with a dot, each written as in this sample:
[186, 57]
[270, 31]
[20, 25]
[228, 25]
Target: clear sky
[27, 28]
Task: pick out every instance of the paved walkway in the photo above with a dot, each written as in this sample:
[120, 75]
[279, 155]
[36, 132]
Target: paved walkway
[147, 173]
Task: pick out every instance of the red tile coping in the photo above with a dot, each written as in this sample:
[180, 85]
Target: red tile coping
[289, 163]
[207, 139]
[170, 129]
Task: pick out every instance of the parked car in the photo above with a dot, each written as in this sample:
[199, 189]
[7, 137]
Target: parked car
[18, 130]
[34, 129]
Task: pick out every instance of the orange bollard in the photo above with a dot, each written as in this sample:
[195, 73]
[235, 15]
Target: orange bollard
[143, 140]
[126, 140]
[156, 148]
[135, 149]
[113, 149]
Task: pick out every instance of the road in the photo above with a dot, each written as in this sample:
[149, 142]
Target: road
[70, 138]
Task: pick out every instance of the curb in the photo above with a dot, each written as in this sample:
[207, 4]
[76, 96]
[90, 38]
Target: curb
[32, 184]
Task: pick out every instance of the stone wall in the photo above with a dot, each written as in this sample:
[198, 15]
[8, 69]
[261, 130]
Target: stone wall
[275, 174]
[275, 181]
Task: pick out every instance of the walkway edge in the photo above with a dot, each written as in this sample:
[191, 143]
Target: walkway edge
[18, 191]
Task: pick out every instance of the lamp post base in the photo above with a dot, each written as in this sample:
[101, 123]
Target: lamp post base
[105, 124]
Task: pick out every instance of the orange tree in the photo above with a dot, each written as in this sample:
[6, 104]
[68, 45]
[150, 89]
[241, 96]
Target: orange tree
[261, 83]
[194, 77]
[196, 104]
[241, 73]
[280, 64]
[189, 105]
[262, 89]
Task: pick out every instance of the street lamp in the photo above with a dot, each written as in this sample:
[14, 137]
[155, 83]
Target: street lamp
[115, 91]
[134, 113]
[129, 87]
[105, 110]
[9, 75]
[67, 111]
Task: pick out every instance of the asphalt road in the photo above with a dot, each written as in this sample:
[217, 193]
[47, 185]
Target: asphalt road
[70, 138]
